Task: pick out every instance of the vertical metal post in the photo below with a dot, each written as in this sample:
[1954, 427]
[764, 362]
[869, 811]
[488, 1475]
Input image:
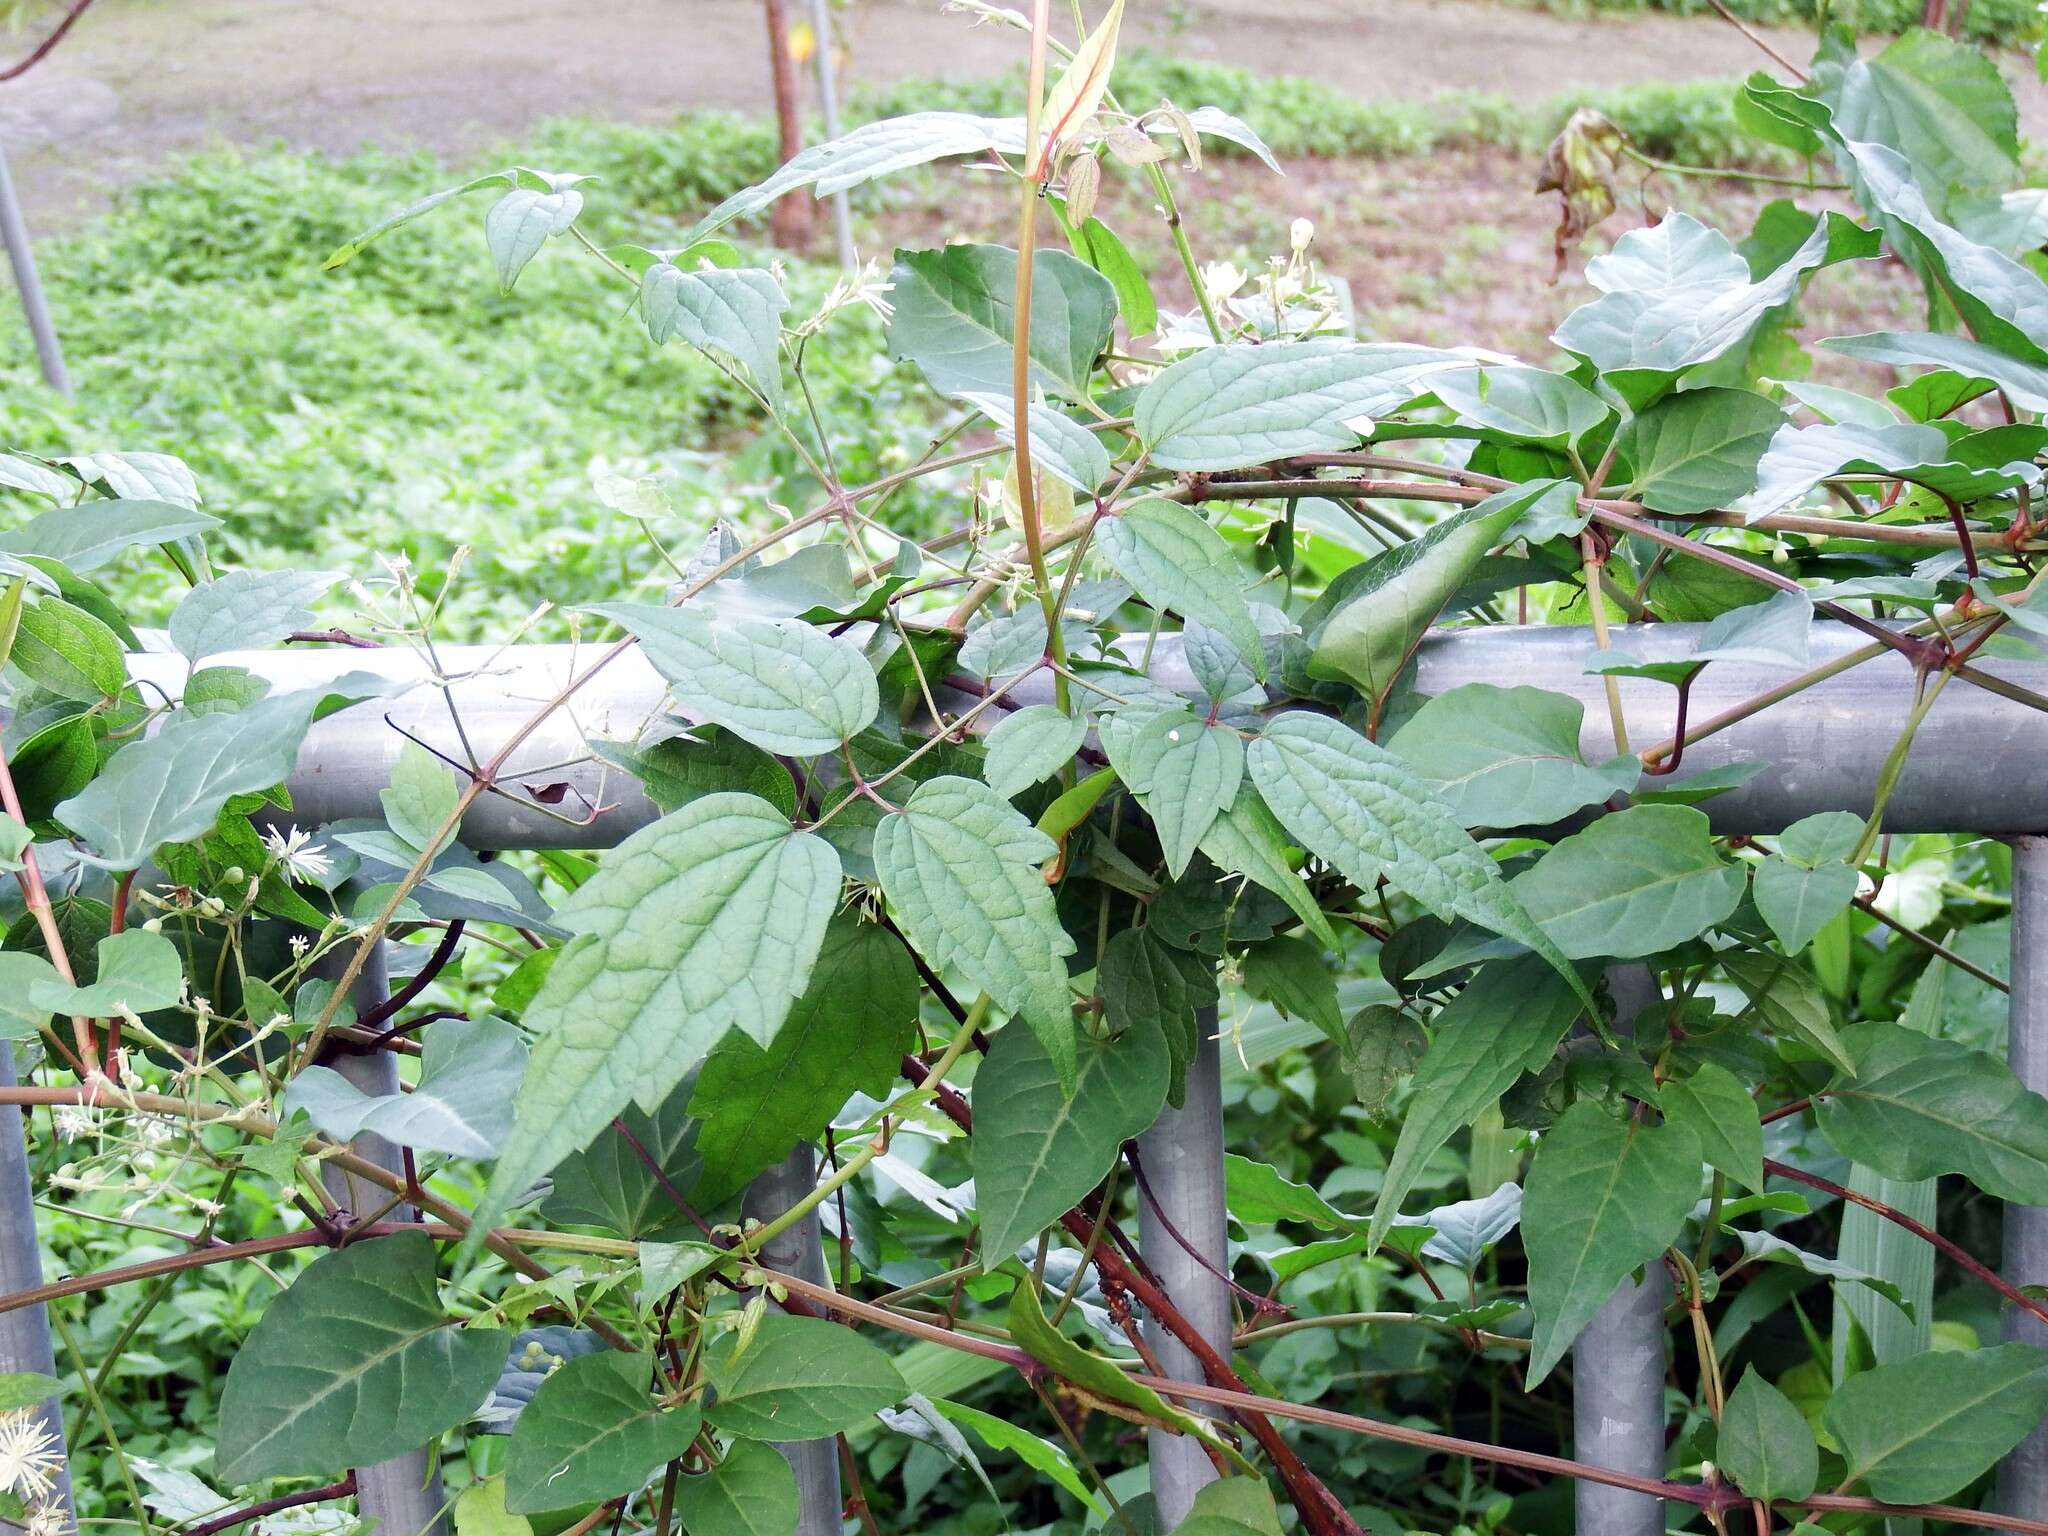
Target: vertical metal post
[1618, 1362]
[14, 233]
[24, 1334]
[402, 1495]
[2023, 1475]
[1183, 1159]
[828, 108]
[798, 1251]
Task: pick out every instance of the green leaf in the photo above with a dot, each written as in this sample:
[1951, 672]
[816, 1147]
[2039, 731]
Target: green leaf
[1060, 446]
[1227, 407]
[800, 1378]
[138, 971]
[751, 1492]
[1698, 450]
[961, 867]
[1789, 1001]
[1381, 1048]
[778, 683]
[1246, 839]
[521, 222]
[170, 787]
[1042, 1456]
[705, 922]
[1092, 1379]
[461, 1105]
[86, 537]
[1633, 883]
[1924, 1428]
[1605, 1196]
[1798, 902]
[480, 1511]
[1177, 562]
[869, 151]
[735, 316]
[1038, 1151]
[1185, 773]
[66, 650]
[1508, 1020]
[353, 1364]
[1983, 464]
[1507, 757]
[610, 1185]
[1718, 1110]
[1389, 602]
[1030, 746]
[348, 250]
[26, 1389]
[1766, 1444]
[1097, 244]
[1145, 984]
[1941, 103]
[1258, 1193]
[246, 610]
[676, 771]
[1360, 808]
[421, 797]
[592, 1432]
[955, 318]
[845, 1034]
[1235, 1506]
[1527, 404]
[1920, 1106]
[1293, 976]
[2026, 383]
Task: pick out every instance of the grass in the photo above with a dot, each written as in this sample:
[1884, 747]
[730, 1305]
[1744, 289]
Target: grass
[1995, 23]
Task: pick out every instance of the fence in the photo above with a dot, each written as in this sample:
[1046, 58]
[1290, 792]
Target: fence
[1966, 773]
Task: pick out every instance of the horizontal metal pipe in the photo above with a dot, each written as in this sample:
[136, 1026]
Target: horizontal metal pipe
[1824, 749]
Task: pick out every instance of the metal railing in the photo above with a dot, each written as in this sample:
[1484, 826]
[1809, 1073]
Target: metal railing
[1824, 751]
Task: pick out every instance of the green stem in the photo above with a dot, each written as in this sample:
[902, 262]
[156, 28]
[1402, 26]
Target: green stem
[1163, 190]
[1895, 763]
[99, 1408]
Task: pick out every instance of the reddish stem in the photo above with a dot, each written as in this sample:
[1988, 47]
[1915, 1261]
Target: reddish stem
[283, 1501]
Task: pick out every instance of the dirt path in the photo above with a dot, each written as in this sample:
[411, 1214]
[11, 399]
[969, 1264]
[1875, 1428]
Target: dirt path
[140, 80]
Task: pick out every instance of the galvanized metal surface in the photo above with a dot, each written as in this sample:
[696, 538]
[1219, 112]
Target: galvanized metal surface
[34, 306]
[24, 1334]
[2023, 1475]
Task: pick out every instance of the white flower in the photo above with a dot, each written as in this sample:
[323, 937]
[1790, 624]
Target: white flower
[300, 856]
[1299, 234]
[30, 1456]
[300, 944]
[1221, 279]
[48, 1520]
[73, 1121]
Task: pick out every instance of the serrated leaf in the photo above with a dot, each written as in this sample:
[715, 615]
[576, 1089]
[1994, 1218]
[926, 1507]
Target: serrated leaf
[1359, 807]
[1766, 1444]
[705, 922]
[1605, 1196]
[1944, 105]
[1038, 1151]
[461, 1105]
[1921, 1429]
[784, 686]
[845, 1034]
[751, 1492]
[1227, 407]
[1030, 746]
[961, 867]
[1175, 561]
[86, 537]
[1508, 1020]
[1920, 1106]
[953, 318]
[354, 1364]
[735, 316]
[800, 1378]
[1698, 450]
[1185, 773]
[1506, 757]
[246, 610]
[678, 770]
[1718, 1110]
[1381, 1049]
